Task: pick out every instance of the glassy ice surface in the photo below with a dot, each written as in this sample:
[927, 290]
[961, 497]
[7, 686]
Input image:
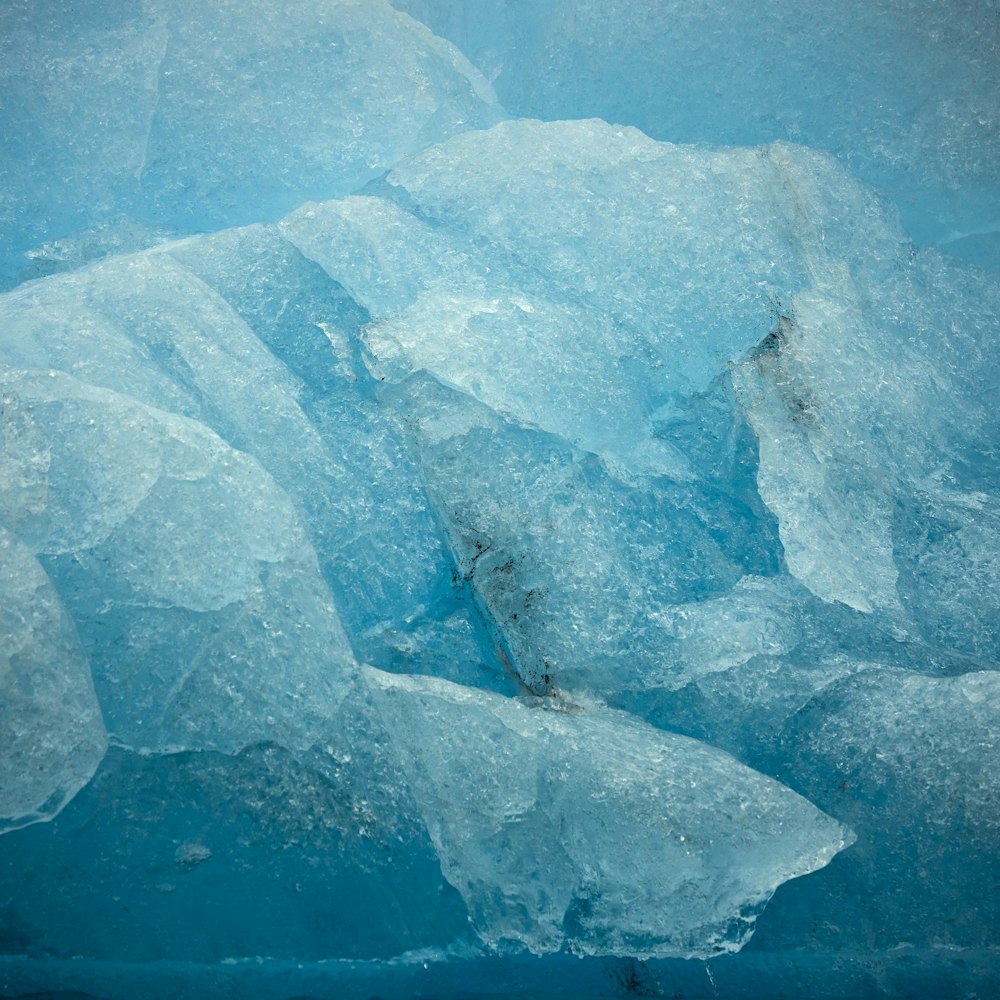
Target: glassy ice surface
[453, 553]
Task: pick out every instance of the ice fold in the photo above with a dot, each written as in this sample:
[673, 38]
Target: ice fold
[53, 732]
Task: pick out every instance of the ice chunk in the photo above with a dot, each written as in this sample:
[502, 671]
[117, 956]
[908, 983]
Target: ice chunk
[492, 329]
[570, 565]
[589, 830]
[193, 117]
[685, 247]
[183, 565]
[909, 103]
[241, 333]
[871, 399]
[54, 735]
[640, 272]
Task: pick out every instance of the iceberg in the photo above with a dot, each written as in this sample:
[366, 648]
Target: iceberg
[446, 552]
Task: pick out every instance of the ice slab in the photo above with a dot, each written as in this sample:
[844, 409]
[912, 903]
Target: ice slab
[187, 118]
[183, 565]
[871, 408]
[54, 735]
[588, 830]
[611, 215]
[241, 333]
[909, 103]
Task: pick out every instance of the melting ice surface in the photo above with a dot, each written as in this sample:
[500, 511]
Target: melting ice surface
[456, 544]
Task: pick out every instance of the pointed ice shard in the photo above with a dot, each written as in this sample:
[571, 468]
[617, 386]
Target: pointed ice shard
[589, 830]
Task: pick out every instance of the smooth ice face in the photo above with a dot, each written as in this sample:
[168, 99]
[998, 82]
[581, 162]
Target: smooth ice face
[180, 117]
[200, 857]
[587, 829]
[54, 735]
[183, 565]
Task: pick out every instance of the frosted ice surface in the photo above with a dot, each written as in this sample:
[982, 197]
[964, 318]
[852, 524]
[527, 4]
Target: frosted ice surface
[294, 855]
[642, 279]
[591, 830]
[639, 272]
[863, 406]
[930, 742]
[665, 240]
[187, 117]
[241, 333]
[381, 253]
[53, 733]
[910, 762]
[909, 102]
[183, 565]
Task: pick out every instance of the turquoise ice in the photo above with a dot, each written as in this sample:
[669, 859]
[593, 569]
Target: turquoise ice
[440, 546]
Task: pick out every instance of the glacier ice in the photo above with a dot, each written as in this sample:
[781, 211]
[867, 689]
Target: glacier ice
[590, 830]
[123, 123]
[910, 757]
[54, 735]
[183, 565]
[438, 547]
[214, 856]
[906, 96]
